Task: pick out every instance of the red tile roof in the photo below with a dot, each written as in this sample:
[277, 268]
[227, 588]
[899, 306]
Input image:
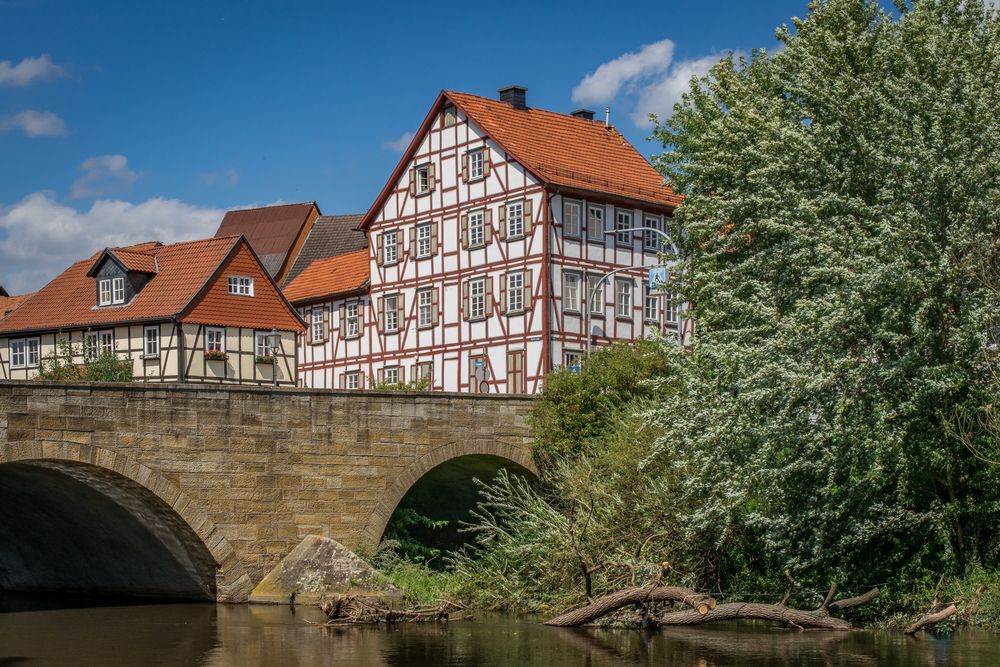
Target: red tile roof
[9, 303]
[143, 262]
[271, 230]
[70, 299]
[558, 149]
[329, 277]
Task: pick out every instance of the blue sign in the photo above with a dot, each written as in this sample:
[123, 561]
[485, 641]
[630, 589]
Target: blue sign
[657, 277]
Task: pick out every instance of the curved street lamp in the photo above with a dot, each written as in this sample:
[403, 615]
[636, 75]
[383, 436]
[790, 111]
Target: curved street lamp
[604, 278]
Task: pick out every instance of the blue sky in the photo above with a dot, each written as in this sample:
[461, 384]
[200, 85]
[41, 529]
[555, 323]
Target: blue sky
[121, 122]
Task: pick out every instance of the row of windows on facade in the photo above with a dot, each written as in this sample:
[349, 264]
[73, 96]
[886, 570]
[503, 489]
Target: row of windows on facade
[26, 352]
[476, 165]
[423, 371]
[516, 223]
[478, 303]
[111, 291]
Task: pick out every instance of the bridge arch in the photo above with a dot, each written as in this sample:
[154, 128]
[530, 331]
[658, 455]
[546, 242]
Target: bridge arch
[517, 457]
[86, 501]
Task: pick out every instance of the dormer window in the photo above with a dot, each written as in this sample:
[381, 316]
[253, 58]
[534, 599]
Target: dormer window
[117, 290]
[241, 285]
[104, 292]
[111, 291]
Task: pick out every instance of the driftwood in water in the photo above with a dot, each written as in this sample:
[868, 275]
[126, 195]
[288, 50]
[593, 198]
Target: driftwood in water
[354, 610]
[819, 619]
[931, 619]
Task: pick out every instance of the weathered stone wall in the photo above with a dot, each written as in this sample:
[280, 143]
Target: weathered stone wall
[253, 470]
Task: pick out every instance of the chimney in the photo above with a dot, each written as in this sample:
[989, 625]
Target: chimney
[585, 114]
[607, 116]
[514, 96]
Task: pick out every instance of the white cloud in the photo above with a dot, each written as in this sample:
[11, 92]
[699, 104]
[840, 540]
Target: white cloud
[398, 145]
[40, 237]
[103, 174]
[29, 71]
[643, 82]
[35, 124]
[228, 177]
[660, 95]
[603, 84]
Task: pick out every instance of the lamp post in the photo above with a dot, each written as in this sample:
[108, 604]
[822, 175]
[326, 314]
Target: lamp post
[275, 340]
[604, 278]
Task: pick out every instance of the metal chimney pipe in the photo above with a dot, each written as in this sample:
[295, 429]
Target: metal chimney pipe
[607, 116]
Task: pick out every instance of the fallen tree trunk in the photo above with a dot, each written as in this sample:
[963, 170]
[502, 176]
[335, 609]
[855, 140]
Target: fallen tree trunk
[701, 604]
[353, 610]
[799, 618]
[931, 619]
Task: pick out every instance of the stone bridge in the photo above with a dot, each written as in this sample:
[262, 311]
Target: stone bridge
[198, 492]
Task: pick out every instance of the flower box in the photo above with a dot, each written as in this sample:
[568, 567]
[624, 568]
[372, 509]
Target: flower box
[216, 356]
[265, 359]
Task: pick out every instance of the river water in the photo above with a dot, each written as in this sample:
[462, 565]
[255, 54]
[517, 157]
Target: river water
[207, 634]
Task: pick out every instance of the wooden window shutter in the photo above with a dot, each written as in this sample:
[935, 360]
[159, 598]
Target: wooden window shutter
[435, 315]
[361, 322]
[413, 240]
[380, 250]
[488, 226]
[465, 300]
[430, 176]
[342, 317]
[486, 161]
[503, 293]
[526, 282]
[399, 312]
[465, 230]
[381, 375]
[381, 314]
[434, 238]
[413, 182]
[399, 243]
[503, 222]
[465, 167]
[327, 324]
[527, 217]
[343, 380]
[489, 296]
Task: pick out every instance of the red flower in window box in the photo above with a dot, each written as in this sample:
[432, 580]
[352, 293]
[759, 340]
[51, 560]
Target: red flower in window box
[216, 355]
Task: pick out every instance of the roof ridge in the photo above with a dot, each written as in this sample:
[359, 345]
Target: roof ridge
[567, 116]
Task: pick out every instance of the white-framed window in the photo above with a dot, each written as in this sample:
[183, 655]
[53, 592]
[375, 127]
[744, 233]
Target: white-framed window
[595, 223]
[476, 164]
[90, 344]
[24, 352]
[477, 228]
[623, 298]
[424, 370]
[423, 176]
[571, 219]
[151, 340]
[352, 380]
[623, 220]
[105, 343]
[390, 375]
[423, 237]
[425, 307]
[515, 219]
[477, 298]
[650, 239]
[572, 359]
[351, 322]
[651, 306]
[118, 290]
[317, 325]
[262, 344]
[515, 291]
[215, 340]
[104, 292]
[241, 285]
[670, 308]
[571, 291]
[390, 246]
[596, 301]
[390, 313]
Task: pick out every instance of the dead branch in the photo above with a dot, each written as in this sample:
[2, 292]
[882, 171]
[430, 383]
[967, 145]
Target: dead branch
[931, 619]
[829, 597]
[799, 618]
[856, 601]
[788, 592]
[354, 610]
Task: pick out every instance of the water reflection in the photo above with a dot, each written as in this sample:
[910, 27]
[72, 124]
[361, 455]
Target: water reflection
[203, 634]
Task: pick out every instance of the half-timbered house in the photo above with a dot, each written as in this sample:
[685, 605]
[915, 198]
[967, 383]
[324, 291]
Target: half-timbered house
[491, 247]
[199, 311]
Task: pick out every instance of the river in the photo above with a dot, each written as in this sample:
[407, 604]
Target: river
[215, 635]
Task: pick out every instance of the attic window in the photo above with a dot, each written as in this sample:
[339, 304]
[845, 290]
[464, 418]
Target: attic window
[111, 291]
[241, 285]
[449, 117]
[423, 179]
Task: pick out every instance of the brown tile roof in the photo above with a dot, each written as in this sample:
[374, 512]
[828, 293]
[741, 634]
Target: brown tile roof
[569, 151]
[331, 276]
[271, 230]
[558, 149]
[9, 303]
[332, 235]
[184, 269]
[143, 262]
